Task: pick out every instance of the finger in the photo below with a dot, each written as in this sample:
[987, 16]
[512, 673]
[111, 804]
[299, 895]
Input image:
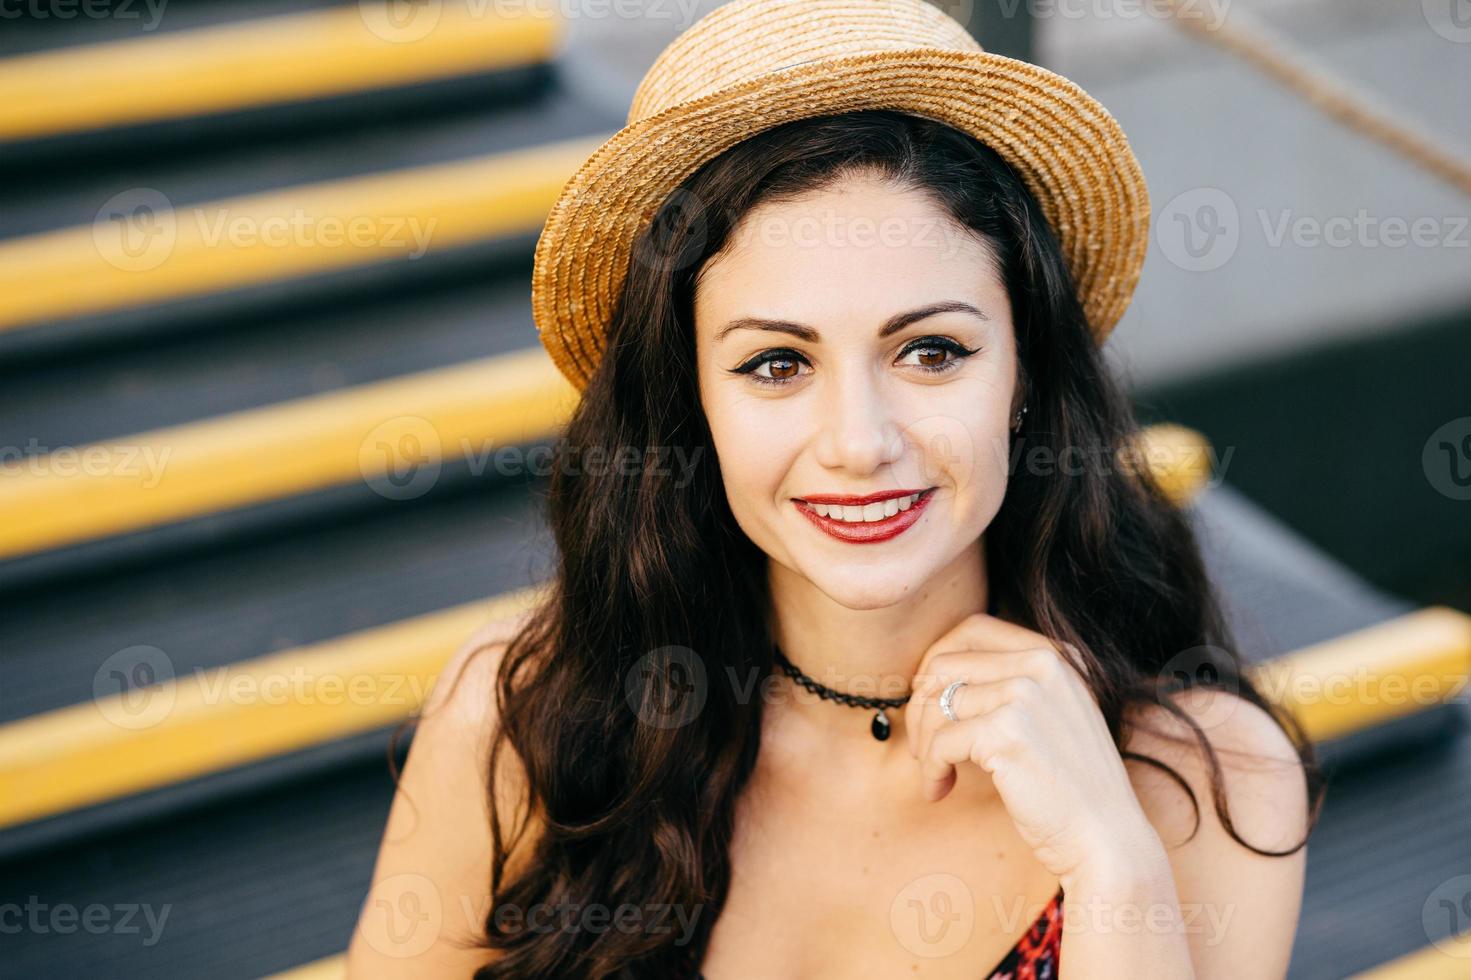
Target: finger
[928, 716]
[979, 740]
[982, 631]
[969, 700]
[937, 790]
[923, 711]
[959, 742]
[1044, 664]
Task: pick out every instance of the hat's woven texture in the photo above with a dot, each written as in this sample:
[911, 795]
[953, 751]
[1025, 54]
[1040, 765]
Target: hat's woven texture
[753, 64]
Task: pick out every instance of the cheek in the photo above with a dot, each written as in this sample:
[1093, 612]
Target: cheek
[964, 451]
[751, 463]
[730, 433]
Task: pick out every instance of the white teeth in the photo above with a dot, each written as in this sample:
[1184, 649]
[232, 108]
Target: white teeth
[868, 512]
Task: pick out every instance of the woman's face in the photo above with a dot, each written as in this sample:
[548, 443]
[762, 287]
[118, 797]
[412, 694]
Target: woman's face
[843, 389]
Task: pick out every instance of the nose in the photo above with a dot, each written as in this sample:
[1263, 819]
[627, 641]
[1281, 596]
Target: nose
[859, 431]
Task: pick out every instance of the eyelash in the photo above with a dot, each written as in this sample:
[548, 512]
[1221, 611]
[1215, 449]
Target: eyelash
[959, 351]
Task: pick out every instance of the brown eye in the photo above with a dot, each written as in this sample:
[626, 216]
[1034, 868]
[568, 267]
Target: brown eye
[931, 353]
[773, 368]
[931, 356]
[782, 368]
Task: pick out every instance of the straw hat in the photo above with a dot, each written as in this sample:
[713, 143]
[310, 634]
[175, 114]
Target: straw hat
[750, 65]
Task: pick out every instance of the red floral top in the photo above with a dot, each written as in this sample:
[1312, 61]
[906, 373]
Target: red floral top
[1035, 955]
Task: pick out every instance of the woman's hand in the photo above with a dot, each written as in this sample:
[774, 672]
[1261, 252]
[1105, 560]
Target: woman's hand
[1028, 717]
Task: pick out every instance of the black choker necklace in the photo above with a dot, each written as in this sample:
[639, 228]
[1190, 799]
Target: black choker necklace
[880, 725]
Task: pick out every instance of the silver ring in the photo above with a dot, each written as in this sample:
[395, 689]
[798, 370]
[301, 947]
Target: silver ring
[945, 697]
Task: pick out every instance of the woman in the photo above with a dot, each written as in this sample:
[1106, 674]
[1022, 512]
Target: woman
[851, 693]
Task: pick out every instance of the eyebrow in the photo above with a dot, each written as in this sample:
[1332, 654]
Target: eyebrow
[892, 325]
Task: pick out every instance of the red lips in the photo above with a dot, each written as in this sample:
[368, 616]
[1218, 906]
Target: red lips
[866, 532]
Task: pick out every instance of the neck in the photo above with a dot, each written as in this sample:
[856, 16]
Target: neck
[868, 652]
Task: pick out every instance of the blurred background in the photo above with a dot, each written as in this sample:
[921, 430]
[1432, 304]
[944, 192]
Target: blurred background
[275, 424]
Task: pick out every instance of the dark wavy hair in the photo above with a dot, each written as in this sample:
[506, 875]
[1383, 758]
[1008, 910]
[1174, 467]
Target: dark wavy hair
[656, 582]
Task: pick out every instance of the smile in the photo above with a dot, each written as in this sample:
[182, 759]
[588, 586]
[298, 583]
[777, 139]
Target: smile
[864, 520]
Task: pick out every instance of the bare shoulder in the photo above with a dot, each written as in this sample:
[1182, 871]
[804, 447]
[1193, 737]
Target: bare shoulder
[464, 693]
[1260, 770]
[435, 855]
[1244, 904]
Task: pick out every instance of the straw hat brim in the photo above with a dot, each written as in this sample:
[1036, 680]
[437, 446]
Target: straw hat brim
[1067, 148]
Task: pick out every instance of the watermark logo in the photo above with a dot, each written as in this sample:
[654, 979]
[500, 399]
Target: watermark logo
[402, 915]
[667, 687]
[86, 9]
[1446, 917]
[1446, 459]
[1200, 667]
[1362, 230]
[401, 458]
[680, 221]
[135, 688]
[1199, 230]
[400, 21]
[139, 229]
[963, 11]
[144, 462]
[1212, 12]
[949, 450]
[1202, 229]
[933, 915]
[136, 230]
[65, 918]
[1451, 19]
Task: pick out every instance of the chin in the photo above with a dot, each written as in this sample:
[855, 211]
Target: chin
[865, 587]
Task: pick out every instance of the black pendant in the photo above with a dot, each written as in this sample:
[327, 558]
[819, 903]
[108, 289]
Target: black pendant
[881, 726]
